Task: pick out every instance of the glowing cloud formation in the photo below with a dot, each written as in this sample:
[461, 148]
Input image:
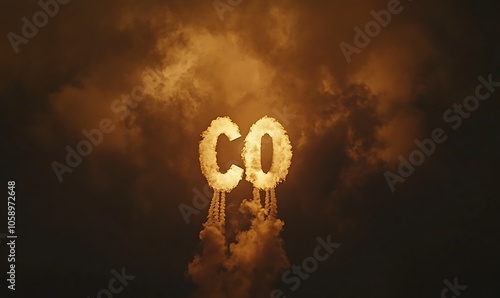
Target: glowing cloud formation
[232, 270]
[282, 154]
[208, 155]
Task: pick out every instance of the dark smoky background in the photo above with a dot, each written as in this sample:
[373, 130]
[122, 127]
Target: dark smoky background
[348, 124]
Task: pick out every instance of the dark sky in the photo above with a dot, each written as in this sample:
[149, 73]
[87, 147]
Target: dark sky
[179, 66]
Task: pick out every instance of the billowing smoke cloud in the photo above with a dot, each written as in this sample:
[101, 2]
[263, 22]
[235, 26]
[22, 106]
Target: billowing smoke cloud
[251, 264]
[207, 270]
[257, 257]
